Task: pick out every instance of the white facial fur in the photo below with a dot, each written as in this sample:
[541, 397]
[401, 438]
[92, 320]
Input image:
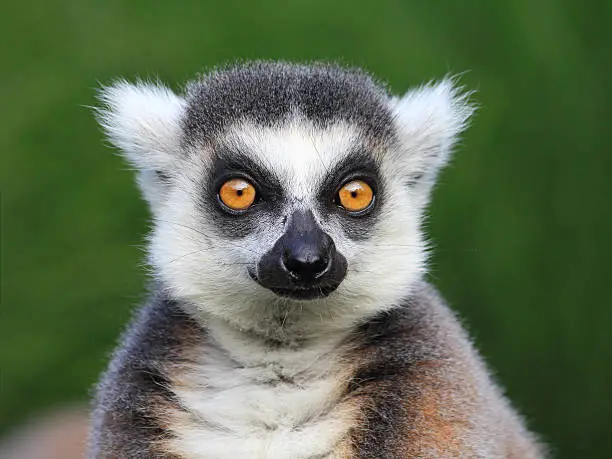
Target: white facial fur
[209, 271]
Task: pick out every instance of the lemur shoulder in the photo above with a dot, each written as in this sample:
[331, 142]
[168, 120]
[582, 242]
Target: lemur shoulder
[288, 316]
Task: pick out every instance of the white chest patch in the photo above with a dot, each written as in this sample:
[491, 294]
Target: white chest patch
[286, 407]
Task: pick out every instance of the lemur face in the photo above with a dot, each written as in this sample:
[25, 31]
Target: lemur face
[300, 198]
[278, 187]
[288, 213]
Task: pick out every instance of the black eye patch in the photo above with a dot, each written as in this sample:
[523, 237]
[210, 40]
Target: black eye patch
[358, 165]
[230, 163]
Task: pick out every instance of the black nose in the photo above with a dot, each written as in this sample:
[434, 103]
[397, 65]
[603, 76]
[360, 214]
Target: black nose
[303, 263]
[307, 262]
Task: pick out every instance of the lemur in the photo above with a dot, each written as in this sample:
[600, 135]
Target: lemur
[288, 315]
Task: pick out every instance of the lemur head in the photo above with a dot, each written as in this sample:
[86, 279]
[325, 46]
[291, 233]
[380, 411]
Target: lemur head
[285, 198]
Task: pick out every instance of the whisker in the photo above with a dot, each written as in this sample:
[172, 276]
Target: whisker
[205, 235]
[399, 245]
[437, 249]
[285, 318]
[184, 226]
[318, 154]
[186, 255]
[194, 252]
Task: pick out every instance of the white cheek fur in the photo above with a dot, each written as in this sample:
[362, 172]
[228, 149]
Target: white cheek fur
[210, 272]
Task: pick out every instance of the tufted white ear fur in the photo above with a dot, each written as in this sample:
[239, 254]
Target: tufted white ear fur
[143, 121]
[429, 120]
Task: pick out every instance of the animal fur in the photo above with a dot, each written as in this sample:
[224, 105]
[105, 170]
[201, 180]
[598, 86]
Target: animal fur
[216, 365]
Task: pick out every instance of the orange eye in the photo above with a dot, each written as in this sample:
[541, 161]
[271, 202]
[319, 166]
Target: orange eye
[237, 194]
[355, 195]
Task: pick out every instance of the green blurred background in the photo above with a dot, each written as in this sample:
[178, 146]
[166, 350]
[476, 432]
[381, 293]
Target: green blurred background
[521, 220]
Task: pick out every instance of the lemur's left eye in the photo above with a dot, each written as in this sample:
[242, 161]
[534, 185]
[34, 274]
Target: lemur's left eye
[237, 194]
[355, 196]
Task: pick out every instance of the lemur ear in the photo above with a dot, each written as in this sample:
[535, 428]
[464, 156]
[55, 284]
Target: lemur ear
[429, 120]
[143, 121]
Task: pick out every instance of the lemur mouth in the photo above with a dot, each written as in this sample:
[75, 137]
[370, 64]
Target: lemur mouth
[298, 292]
[301, 293]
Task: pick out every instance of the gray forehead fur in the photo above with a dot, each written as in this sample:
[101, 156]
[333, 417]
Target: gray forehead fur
[269, 92]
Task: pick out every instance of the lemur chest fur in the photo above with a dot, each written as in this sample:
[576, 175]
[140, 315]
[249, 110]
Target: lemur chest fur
[287, 405]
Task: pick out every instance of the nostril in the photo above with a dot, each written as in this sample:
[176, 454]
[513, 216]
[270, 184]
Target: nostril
[305, 266]
[317, 266]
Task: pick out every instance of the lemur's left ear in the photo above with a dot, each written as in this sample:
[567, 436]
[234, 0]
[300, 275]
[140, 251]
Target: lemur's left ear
[429, 120]
[143, 121]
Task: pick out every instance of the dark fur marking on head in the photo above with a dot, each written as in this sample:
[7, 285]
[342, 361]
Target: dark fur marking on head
[162, 176]
[231, 162]
[413, 179]
[362, 165]
[269, 92]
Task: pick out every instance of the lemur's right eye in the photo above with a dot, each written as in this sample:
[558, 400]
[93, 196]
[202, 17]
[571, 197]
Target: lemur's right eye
[237, 194]
[355, 196]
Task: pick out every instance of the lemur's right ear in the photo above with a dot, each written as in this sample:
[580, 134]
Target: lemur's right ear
[143, 121]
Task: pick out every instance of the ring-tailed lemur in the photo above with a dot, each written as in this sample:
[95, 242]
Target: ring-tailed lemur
[288, 317]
